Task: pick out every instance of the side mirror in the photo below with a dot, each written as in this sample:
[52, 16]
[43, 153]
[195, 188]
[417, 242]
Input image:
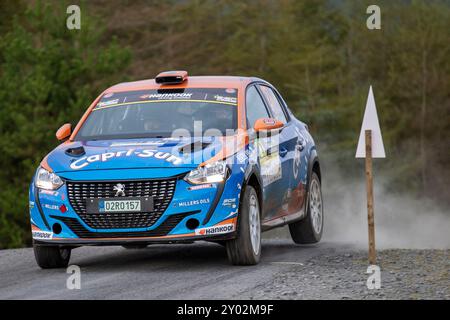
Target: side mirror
[64, 132]
[268, 125]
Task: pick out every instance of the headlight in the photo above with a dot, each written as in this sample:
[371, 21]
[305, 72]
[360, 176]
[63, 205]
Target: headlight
[47, 180]
[210, 173]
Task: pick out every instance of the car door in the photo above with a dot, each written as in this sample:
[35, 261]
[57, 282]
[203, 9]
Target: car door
[289, 152]
[300, 159]
[266, 152]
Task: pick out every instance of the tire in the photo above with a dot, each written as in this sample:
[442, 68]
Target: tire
[310, 229]
[48, 257]
[245, 249]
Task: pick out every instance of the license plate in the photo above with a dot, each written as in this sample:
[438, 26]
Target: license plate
[125, 205]
[119, 206]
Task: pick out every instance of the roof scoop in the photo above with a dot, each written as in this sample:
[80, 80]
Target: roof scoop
[172, 77]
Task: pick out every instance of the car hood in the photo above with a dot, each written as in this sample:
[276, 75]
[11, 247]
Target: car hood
[160, 153]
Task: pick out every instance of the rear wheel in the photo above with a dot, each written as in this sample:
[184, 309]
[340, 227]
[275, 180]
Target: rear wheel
[309, 230]
[246, 248]
[48, 257]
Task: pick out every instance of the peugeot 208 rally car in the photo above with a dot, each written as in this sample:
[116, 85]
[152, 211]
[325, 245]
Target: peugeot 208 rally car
[177, 159]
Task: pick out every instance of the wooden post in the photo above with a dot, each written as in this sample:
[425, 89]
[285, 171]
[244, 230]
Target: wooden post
[369, 187]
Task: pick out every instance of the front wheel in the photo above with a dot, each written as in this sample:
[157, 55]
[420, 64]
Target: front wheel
[309, 230]
[48, 257]
[246, 248]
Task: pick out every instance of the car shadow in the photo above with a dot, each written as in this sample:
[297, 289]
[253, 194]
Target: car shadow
[152, 257]
[169, 257]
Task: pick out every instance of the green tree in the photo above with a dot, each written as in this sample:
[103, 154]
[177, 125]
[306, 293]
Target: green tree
[48, 76]
[407, 63]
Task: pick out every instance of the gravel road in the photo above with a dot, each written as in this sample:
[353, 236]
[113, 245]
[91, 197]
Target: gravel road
[328, 270]
[405, 274]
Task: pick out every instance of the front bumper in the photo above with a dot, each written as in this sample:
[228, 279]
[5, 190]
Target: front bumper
[56, 218]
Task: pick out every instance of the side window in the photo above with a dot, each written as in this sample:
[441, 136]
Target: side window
[255, 107]
[274, 104]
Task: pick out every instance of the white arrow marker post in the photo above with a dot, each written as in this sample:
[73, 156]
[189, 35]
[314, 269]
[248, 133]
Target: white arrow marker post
[370, 145]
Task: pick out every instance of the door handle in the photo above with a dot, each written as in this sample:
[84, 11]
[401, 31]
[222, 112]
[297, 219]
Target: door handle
[283, 151]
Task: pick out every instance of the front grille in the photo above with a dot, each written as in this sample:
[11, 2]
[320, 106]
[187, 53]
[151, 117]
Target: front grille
[161, 190]
[162, 230]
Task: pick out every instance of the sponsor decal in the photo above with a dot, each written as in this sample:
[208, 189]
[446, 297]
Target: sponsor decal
[104, 157]
[202, 186]
[231, 214]
[270, 169]
[51, 206]
[138, 143]
[226, 228]
[213, 95]
[192, 203]
[49, 192]
[42, 235]
[269, 162]
[230, 203]
[167, 96]
[107, 103]
[269, 122]
[296, 162]
[225, 99]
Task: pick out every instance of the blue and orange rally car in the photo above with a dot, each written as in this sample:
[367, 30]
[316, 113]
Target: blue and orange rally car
[177, 159]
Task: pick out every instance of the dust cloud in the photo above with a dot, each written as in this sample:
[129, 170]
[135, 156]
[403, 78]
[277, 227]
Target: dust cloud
[401, 221]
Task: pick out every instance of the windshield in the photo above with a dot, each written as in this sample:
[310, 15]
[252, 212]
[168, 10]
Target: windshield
[158, 113]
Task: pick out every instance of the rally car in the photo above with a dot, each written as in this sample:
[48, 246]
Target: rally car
[178, 159]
